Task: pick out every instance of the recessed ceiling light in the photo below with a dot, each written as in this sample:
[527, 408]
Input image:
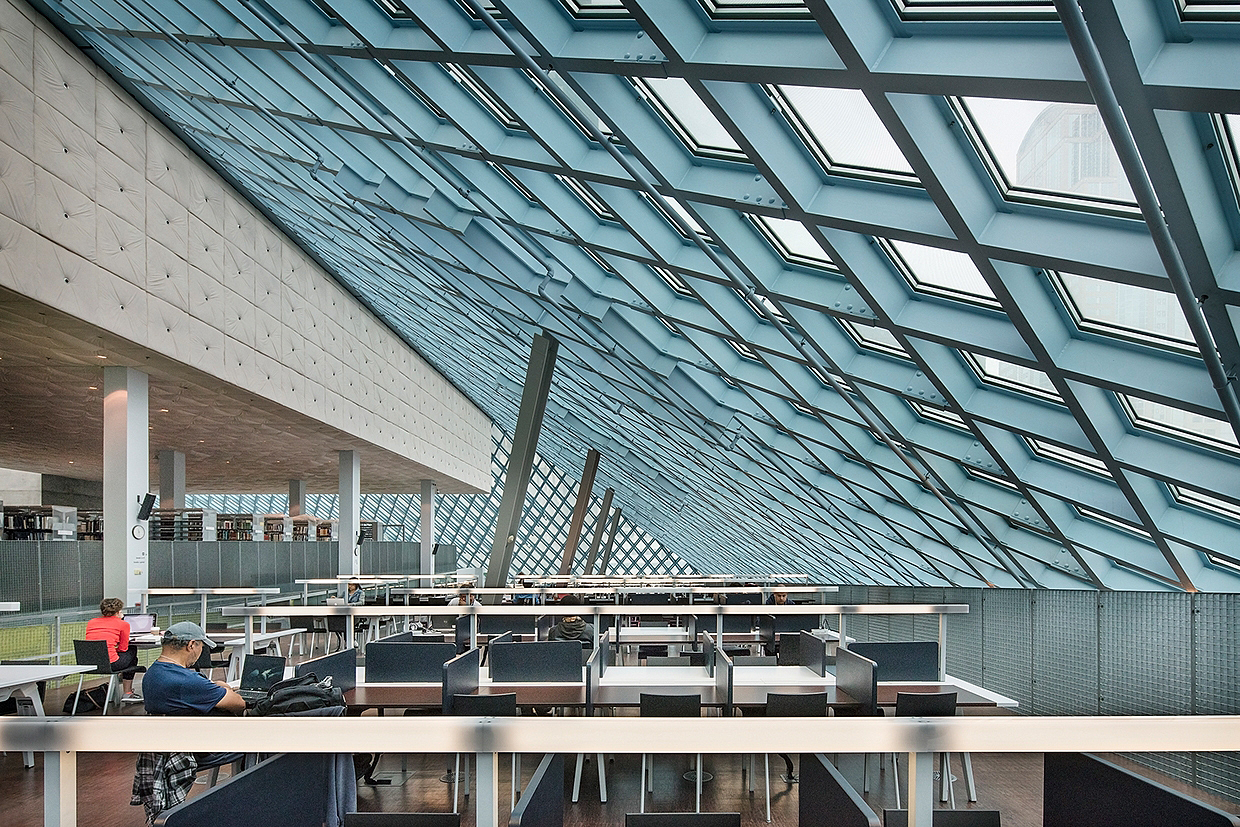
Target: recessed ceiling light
[93, 388]
[163, 410]
[100, 356]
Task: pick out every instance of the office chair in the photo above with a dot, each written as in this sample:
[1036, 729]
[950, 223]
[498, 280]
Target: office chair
[94, 653]
[788, 705]
[669, 706]
[927, 705]
[490, 706]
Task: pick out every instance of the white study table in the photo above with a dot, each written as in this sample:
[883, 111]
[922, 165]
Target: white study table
[236, 642]
[223, 591]
[24, 681]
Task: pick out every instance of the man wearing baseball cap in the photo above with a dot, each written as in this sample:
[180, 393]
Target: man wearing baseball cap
[172, 687]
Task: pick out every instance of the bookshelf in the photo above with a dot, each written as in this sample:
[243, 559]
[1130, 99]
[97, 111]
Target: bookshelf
[325, 531]
[194, 524]
[236, 526]
[40, 522]
[90, 525]
[277, 527]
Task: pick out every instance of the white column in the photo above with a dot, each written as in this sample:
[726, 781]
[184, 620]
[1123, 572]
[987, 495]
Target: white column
[350, 507]
[297, 498]
[427, 523]
[171, 479]
[126, 477]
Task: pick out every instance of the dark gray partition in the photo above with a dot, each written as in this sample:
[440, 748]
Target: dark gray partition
[544, 624]
[678, 819]
[594, 674]
[905, 660]
[1080, 790]
[946, 818]
[460, 676]
[461, 628]
[535, 662]
[407, 662]
[494, 624]
[813, 653]
[724, 680]
[826, 799]
[342, 666]
[297, 780]
[402, 820]
[542, 801]
[858, 678]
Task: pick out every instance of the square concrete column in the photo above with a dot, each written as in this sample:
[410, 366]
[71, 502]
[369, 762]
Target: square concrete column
[126, 478]
[296, 498]
[350, 511]
[171, 479]
[426, 521]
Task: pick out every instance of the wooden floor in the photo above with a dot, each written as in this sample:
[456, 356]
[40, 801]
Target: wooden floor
[1011, 783]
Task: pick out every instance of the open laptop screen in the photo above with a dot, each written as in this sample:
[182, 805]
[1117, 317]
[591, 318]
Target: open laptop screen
[261, 671]
[140, 624]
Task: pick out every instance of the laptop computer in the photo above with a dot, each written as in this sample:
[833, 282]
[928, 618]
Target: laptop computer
[140, 624]
[258, 673]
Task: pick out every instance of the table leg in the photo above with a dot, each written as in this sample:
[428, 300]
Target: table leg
[486, 776]
[920, 789]
[60, 789]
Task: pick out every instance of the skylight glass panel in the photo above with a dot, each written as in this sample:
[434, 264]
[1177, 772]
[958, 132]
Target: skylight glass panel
[679, 210]
[941, 272]
[743, 349]
[395, 9]
[483, 94]
[582, 191]
[792, 240]
[843, 130]
[512, 179]
[937, 414]
[694, 123]
[755, 8]
[1008, 375]
[678, 284]
[1204, 430]
[1107, 519]
[758, 302]
[975, 9]
[989, 476]
[1049, 450]
[1054, 149]
[563, 90]
[874, 337]
[1205, 502]
[1127, 311]
[596, 8]
[1209, 10]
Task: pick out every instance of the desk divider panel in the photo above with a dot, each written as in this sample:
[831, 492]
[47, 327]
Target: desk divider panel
[682, 820]
[826, 799]
[494, 624]
[710, 650]
[947, 818]
[542, 801]
[858, 678]
[1079, 790]
[813, 655]
[594, 674]
[543, 625]
[543, 661]
[461, 628]
[460, 676]
[298, 781]
[906, 660]
[407, 662]
[724, 681]
[342, 666]
[399, 637]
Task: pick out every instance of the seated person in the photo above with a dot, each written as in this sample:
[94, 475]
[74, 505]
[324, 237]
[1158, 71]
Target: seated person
[572, 627]
[112, 627]
[354, 596]
[173, 687]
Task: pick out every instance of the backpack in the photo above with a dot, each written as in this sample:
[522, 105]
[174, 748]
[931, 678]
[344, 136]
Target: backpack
[92, 699]
[298, 695]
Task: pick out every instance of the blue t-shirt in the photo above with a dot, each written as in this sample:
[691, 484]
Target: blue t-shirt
[169, 689]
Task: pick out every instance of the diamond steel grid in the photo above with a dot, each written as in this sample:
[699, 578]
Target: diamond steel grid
[1007, 643]
[1216, 688]
[1145, 663]
[402, 183]
[966, 652]
[1065, 653]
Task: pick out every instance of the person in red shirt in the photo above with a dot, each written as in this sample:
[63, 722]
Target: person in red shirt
[112, 627]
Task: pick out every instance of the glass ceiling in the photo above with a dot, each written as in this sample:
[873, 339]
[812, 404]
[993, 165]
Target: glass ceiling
[859, 288]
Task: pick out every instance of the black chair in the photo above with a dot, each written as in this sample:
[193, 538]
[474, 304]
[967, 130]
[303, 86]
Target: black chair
[402, 820]
[927, 705]
[488, 706]
[94, 653]
[789, 705]
[669, 706]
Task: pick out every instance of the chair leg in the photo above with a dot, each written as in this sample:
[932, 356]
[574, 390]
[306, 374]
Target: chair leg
[947, 790]
[698, 774]
[77, 696]
[643, 783]
[766, 758]
[516, 779]
[895, 771]
[456, 783]
[970, 786]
